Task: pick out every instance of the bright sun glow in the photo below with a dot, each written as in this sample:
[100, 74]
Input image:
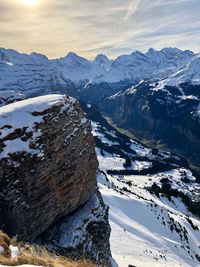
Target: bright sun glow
[28, 2]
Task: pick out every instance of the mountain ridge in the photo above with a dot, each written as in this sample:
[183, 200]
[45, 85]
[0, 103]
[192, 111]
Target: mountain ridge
[172, 76]
[78, 69]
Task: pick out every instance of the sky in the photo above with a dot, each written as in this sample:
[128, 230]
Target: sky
[91, 27]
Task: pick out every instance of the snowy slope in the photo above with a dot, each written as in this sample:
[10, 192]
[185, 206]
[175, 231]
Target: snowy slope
[20, 115]
[188, 74]
[186, 82]
[141, 233]
[31, 74]
[77, 69]
[146, 229]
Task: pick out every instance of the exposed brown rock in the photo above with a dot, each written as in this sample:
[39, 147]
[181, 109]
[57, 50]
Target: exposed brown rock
[38, 188]
[82, 234]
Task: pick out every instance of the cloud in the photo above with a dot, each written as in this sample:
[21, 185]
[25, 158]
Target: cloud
[108, 26]
[132, 8]
[170, 2]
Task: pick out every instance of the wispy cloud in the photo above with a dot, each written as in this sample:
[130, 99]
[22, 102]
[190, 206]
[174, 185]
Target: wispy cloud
[132, 8]
[108, 26]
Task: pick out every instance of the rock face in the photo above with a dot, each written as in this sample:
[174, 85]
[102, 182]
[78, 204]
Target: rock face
[47, 163]
[84, 233]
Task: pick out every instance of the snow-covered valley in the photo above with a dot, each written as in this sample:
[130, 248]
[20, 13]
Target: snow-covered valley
[148, 228]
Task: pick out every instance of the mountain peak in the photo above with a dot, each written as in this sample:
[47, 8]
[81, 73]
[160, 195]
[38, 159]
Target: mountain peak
[152, 50]
[73, 57]
[174, 50]
[101, 57]
[39, 56]
[102, 60]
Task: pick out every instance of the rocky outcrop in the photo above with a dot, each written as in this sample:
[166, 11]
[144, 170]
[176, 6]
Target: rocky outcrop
[47, 163]
[84, 233]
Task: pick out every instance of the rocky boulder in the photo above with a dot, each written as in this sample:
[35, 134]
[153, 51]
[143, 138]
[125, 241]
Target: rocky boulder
[47, 163]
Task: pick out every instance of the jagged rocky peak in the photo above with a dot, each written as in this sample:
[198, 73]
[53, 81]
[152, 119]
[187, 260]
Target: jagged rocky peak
[103, 61]
[137, 65]
[8, 54]
[47, 163]
[151, 51]
[171, 52]
[175, 51]
[72, 57]
[38, 57]
[101, 57]
[12, 57]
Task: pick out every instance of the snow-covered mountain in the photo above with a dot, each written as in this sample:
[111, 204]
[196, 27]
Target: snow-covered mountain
[103, 61]
[31, 74]
[35, 74]
[188, 74]
[162, 110]
[77, 69]
[153, 199]
[139, 66]
[162, 114]
[166, 82]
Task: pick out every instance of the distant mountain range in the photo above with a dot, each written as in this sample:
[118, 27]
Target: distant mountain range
[156, 94]
[35, 72]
